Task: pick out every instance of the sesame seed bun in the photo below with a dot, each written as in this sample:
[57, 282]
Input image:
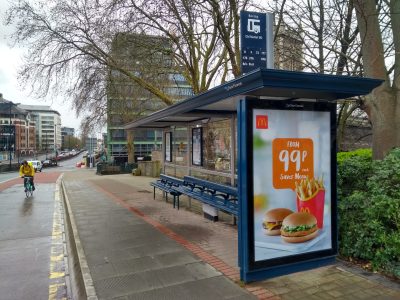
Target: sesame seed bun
[273, 220]
[277, 214]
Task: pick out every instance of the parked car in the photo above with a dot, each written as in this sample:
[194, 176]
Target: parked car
[37, 165]
[49, 163]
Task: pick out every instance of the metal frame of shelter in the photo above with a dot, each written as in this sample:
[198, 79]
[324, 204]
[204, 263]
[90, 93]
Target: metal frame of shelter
[234, 100]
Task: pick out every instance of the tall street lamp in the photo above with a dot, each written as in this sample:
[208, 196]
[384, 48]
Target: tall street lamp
[9, 136]
[46, 144]
[10, 133]
[55, 146]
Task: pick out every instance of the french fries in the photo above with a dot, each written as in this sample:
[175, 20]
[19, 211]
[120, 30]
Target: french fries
[306, 188]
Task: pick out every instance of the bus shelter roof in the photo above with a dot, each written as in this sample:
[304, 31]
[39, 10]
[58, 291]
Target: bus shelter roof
[263, 84]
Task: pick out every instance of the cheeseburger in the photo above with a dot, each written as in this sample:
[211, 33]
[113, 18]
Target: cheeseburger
[299, 227]
[273, 220]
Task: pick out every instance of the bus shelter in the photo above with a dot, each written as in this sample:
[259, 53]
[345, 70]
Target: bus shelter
[272, 135]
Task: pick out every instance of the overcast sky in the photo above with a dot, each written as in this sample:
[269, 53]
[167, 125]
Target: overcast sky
[10, 62]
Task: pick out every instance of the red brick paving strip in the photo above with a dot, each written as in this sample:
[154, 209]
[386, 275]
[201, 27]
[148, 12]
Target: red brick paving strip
[9, 183]
[218, 264]
[48, 177]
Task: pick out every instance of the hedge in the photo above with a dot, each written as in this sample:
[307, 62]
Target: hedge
[369, 209]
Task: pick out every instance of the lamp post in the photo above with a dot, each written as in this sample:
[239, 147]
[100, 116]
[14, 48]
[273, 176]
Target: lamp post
[9, 136]
[19, 141]
[46, 144]
[55, 139]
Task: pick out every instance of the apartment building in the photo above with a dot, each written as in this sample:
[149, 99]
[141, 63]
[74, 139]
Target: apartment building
[48, 127]
[17, 131]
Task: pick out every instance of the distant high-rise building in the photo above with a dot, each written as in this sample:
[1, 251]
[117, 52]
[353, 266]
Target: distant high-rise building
[66, 134]
[288, 49]
[148, 57]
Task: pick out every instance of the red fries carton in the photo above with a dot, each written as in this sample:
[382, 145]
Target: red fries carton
[311, 198]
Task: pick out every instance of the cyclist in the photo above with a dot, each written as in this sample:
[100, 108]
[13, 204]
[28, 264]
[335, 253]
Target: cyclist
[27, 169]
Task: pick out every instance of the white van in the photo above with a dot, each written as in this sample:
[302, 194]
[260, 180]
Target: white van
[37, 165]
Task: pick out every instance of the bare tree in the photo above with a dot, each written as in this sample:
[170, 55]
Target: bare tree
[379, 24]
[70, 45]
[329, 35]
[355, 37]
[328, 32]
[205, 35]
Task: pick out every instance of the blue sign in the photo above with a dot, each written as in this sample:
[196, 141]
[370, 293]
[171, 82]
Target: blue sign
[253, 41]
[256, 40]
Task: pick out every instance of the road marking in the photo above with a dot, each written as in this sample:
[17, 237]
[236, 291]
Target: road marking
[8, 179]
[57, 284]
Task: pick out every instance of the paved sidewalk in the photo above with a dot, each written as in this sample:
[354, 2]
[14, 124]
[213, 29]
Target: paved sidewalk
[128, 258]
[140, 248]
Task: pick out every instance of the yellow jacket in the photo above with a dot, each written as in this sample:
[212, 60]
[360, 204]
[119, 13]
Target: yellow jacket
[29, 170]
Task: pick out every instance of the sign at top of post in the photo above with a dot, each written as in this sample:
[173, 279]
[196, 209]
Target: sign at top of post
[256, 40]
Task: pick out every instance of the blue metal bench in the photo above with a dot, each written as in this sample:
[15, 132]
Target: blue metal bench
[220, 196]
[166, 184]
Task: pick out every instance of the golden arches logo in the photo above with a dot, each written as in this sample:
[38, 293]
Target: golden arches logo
[305, 209]
[261, 122]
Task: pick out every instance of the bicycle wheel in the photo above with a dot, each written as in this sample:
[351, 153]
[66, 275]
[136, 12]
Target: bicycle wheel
[28, 190]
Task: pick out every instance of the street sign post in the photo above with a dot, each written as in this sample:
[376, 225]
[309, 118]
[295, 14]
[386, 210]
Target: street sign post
[257, 49]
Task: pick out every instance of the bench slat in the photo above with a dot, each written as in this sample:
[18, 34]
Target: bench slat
[218, 195]
[211, 185]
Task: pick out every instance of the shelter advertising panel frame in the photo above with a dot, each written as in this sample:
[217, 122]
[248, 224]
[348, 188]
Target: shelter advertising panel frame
[197, 146]
[252, 265]
[168, 146]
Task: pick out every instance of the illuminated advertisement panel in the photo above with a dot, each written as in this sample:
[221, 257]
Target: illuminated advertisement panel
[291, 171]
[168, 146]
[290, 189]
[197, 153]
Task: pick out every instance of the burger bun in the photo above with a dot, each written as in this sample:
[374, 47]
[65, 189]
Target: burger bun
[300, 239]
[306, 225]
[277, 214]
[274, 218]
[273, 232]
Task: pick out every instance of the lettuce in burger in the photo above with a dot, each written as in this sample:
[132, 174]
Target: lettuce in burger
[299, 227]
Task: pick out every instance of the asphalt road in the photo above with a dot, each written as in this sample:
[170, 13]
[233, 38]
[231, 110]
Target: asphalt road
[63, 166]
[32, 256]
[31, 246]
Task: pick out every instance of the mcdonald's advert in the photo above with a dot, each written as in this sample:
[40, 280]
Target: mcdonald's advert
[291, 182]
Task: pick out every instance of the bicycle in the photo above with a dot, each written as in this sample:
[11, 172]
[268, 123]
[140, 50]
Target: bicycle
[28, 186]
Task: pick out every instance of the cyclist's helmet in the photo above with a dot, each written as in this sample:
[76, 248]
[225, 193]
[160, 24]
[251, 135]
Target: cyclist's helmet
[24, 162]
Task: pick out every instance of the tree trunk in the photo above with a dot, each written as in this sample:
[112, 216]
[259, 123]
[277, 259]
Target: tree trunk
[382, 105]
[130, 146]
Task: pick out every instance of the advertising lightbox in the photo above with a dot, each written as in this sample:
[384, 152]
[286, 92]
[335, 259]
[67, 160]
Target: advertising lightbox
[197, 146]
[289, 212]
[168, 146]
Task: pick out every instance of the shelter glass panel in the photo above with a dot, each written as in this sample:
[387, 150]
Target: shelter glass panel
[180, 146]
[217, 143]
